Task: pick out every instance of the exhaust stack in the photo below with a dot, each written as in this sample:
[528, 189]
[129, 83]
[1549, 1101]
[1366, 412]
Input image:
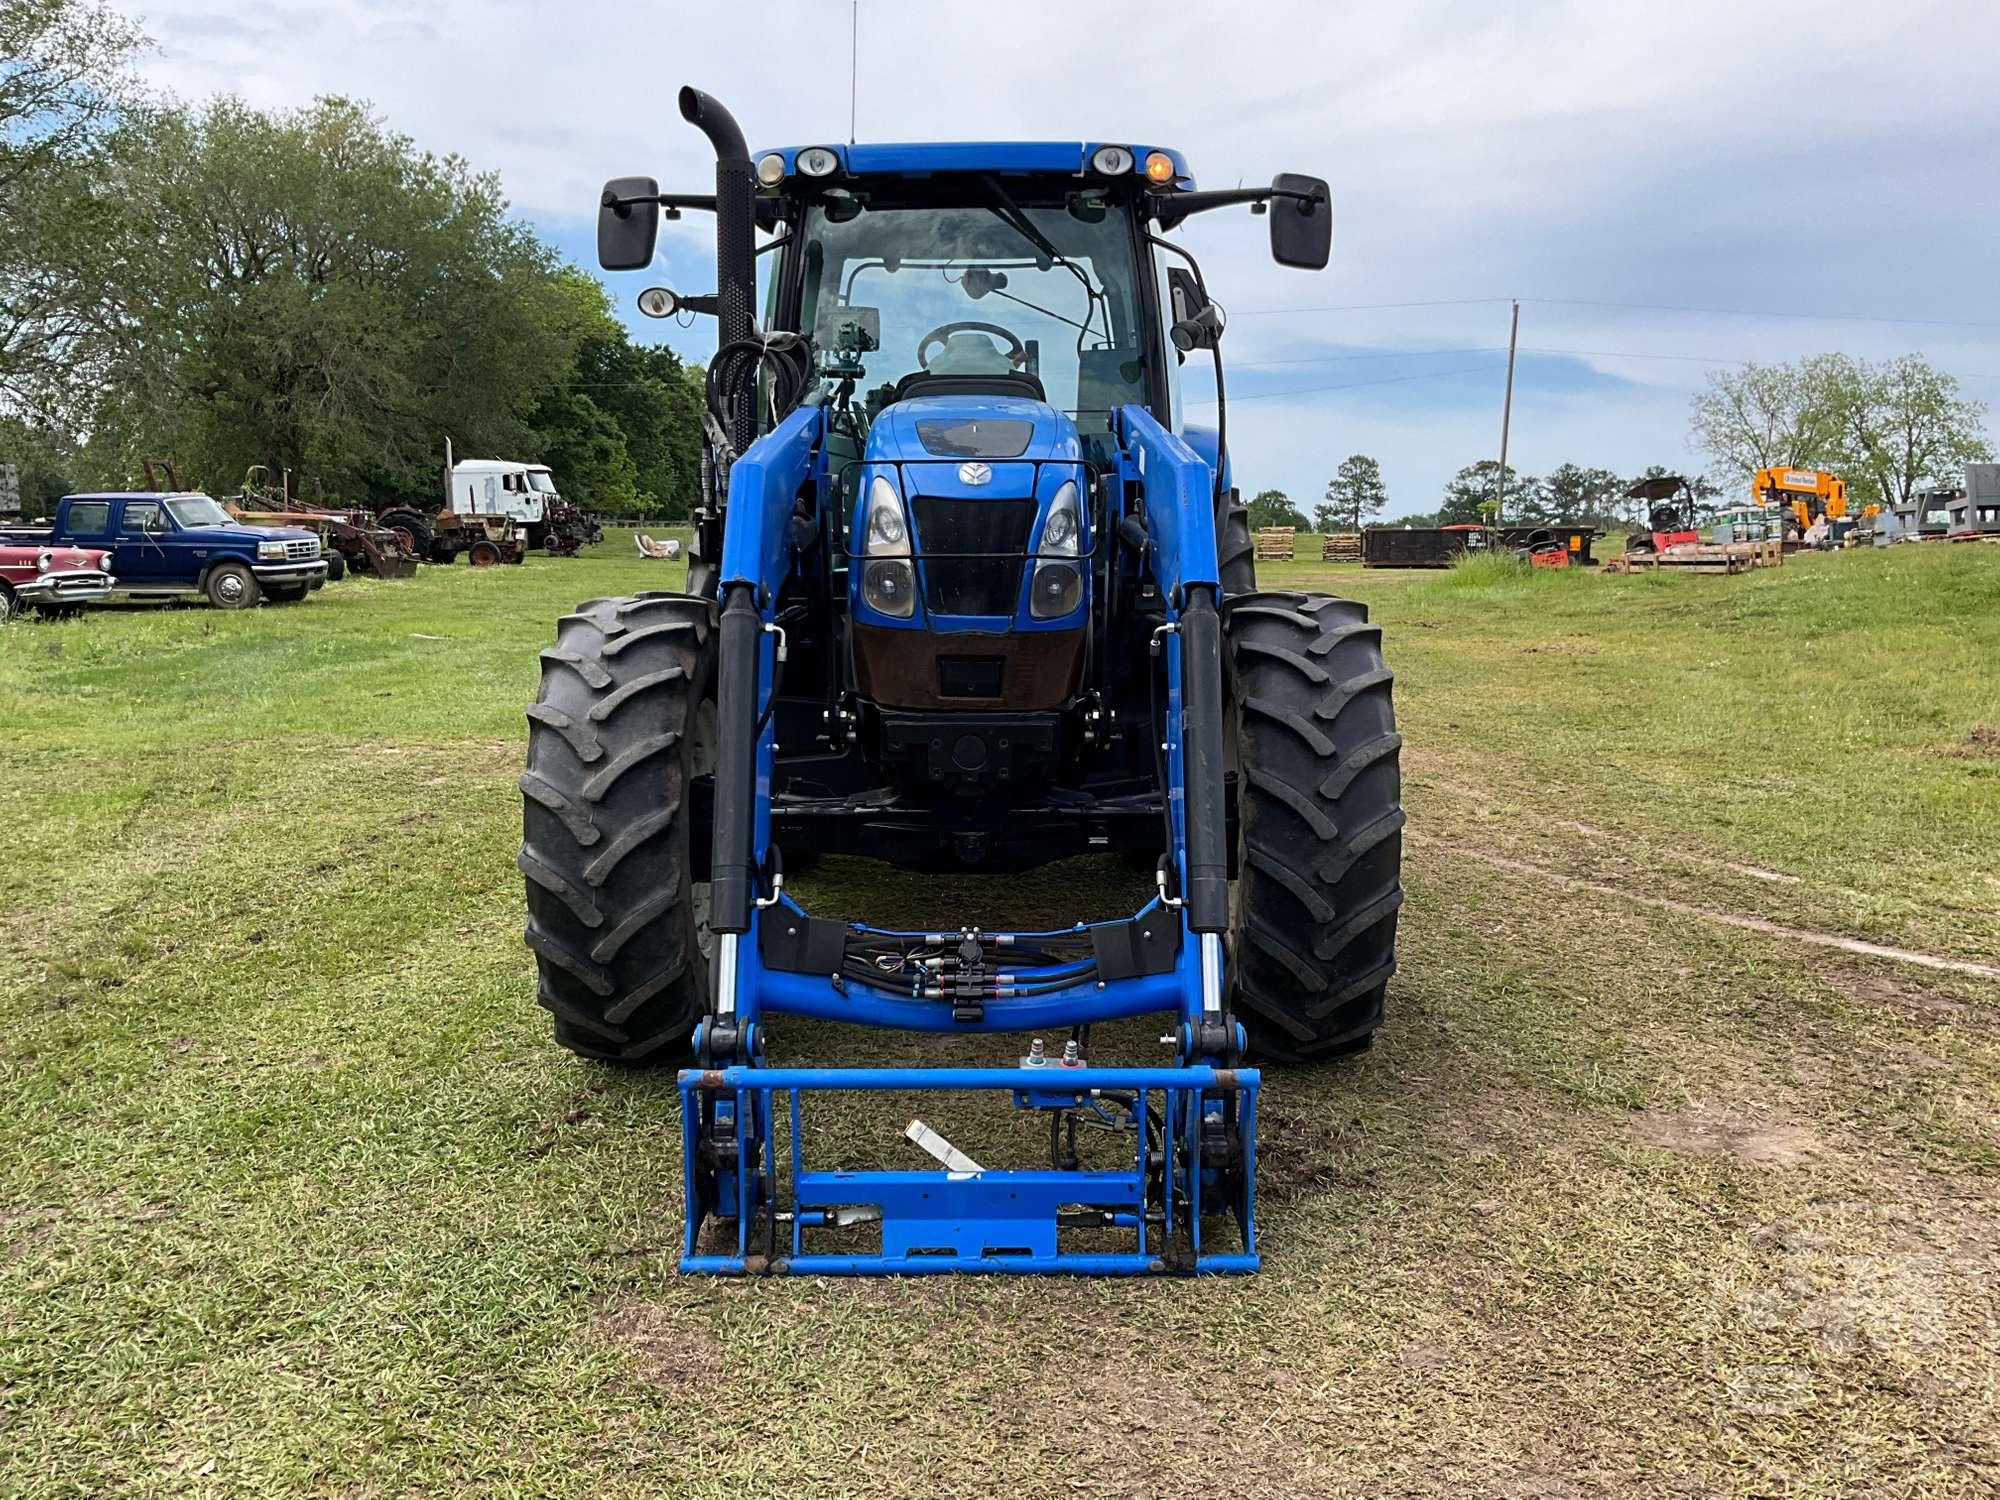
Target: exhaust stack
[735, 241]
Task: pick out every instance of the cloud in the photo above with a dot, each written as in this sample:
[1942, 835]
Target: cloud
[1782, 156]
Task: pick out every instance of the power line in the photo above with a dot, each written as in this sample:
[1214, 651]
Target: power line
[1273, 312]
[1694, 359]
[1744, 312]
[1314, 390]
[1721, 312]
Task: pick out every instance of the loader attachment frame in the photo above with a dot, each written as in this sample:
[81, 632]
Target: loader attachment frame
[1191, 1122]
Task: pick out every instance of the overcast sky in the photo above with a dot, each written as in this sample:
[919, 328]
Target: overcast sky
[1733, 158]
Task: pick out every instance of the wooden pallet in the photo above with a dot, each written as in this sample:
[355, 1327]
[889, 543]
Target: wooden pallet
[1340, 546]
[1276, 543]
[1725, 558]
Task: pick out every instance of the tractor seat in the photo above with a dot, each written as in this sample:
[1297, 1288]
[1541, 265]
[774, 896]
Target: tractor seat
[931, 383]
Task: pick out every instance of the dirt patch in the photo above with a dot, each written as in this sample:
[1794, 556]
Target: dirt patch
[1696, 1134]
[1912, 1000]
[667, 1348]
[1981, 742]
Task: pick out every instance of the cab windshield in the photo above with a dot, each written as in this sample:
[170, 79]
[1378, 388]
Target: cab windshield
[891, 290]
[540, 482]
[197, 510]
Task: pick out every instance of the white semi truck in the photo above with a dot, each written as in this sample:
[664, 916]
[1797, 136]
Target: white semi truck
[524, 493]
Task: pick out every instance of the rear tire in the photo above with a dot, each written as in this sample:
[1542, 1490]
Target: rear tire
[622, 724]
[413, 529]
[1235, 551]
[287, 593]
[230, 585]
[336, 566]
[483, 555]
[1313, 920]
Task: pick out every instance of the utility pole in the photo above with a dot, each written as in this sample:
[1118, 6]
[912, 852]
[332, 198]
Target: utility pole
[1506, 412]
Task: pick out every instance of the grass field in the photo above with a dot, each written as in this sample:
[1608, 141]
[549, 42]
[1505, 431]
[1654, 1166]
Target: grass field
[1651, 1185]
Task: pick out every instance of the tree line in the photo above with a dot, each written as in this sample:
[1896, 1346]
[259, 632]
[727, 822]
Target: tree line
[303, 289]
[1357, 497]
[1889, 429]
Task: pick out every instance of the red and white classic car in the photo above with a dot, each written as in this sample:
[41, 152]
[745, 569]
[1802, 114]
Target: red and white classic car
[52, 580]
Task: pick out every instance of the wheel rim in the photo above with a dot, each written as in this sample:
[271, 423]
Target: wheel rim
[230, 587]
[405, 538]
[484, 557]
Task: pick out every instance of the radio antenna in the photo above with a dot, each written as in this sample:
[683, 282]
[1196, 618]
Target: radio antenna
[853, 65]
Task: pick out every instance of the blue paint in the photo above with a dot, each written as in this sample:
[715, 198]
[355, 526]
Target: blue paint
[1001, 1221]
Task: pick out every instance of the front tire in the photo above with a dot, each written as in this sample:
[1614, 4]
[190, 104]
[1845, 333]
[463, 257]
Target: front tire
[623, 723]
[1313, 924]
[230, 585]
[483, 555]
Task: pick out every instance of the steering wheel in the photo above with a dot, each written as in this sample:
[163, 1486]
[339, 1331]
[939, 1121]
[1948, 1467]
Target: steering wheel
[1017, 352]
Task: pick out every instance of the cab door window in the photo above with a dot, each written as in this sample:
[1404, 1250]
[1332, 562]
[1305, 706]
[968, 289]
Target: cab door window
[142, 518]
[88, 517]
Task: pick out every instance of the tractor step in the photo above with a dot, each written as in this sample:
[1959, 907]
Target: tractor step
[1193, 1164]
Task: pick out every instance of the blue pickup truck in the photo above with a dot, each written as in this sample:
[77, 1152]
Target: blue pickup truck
[167, 544]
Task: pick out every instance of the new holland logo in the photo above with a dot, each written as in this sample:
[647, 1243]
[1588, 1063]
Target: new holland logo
[974, 474]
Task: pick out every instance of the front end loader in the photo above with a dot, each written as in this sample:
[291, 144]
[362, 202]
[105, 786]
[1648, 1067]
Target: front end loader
[966, 594]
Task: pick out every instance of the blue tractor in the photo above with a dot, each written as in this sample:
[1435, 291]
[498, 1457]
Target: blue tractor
[966, 593]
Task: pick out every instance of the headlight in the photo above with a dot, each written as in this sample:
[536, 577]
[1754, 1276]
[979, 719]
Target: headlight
[1112, 161]
[42, 561]
[1058, 586]
[268, 551]
[817, 161]
[888, 582]
[771, 169]
[891, 588]
[1058, 590]
[888, 534]
[1059, 531]
[104, 562]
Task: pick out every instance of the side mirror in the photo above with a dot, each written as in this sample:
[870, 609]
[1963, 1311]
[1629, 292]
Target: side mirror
[1301, 222]
[626, 231]
[658, 302]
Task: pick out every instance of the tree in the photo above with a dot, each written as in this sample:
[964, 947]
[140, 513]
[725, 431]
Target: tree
[64, 78]
[1353, 495]
[1912, 430]
[47, 461]
[1480, 483]
[1274, 508]
[1888, 429]
[309, 291]
[1574, 493]
[647, 393]
[1777, 415]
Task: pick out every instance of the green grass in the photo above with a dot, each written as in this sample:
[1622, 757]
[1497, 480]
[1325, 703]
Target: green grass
[298, 1198]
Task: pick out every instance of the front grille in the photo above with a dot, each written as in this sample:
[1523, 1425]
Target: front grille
[301, 549]
[997, 530]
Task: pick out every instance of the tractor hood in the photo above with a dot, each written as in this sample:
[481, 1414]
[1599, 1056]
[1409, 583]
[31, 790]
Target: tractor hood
[972, 432]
